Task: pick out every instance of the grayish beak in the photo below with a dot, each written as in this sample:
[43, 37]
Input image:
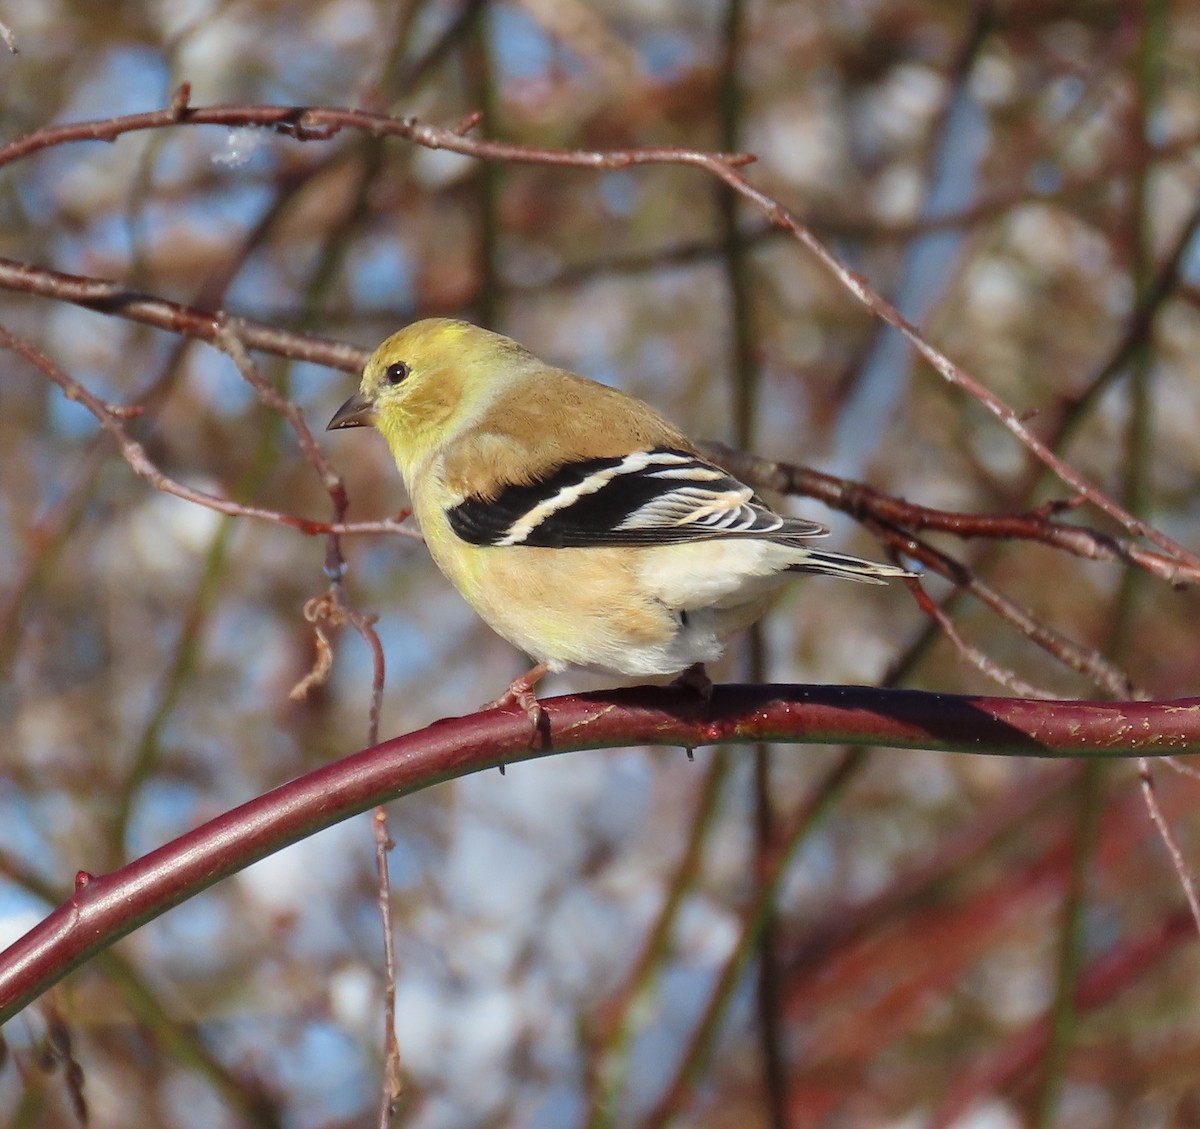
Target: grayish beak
[358, 411]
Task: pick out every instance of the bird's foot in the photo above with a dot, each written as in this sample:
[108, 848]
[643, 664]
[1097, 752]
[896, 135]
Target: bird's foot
[520, 693]
[696, 678]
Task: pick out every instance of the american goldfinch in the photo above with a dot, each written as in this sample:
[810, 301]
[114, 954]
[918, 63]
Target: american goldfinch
[580, 524]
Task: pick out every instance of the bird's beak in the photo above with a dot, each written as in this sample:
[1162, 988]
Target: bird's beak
[358, 411]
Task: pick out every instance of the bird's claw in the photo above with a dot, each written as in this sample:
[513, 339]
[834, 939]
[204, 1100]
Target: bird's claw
[696, 678]
[520, 693]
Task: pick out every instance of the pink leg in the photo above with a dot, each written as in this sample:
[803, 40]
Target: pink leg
[520, 693]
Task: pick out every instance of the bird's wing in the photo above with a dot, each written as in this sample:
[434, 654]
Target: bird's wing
[657, 497]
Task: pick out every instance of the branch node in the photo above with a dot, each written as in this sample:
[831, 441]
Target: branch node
[468, 123]
[180, 100]
[300, 125]
[1052, 507]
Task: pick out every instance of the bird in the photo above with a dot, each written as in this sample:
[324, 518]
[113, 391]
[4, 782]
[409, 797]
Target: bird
[579, 523]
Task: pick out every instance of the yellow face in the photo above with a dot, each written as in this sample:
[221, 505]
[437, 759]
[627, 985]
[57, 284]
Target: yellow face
[413, 384]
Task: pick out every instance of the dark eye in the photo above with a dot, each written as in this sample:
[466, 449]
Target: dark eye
[397, 373]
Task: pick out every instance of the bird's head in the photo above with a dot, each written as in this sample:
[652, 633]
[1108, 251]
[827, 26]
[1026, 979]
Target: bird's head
[427, 383]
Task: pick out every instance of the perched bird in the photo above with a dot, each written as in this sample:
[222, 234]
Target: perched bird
[580, 524]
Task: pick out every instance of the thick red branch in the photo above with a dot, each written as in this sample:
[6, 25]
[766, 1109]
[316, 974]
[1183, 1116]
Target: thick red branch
[106, 908]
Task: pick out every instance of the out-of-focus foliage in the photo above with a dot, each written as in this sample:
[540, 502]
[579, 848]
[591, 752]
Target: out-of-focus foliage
[1011, 175]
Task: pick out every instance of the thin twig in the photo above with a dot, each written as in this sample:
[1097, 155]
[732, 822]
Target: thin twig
[322, 123]
[1178, 861]
[972, 655]
[945, 367]
[333, 608]
[43, 540]
[116, 299]
[1071, 653]
[109, 418]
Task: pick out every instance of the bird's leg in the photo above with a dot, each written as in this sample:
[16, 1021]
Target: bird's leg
[696, 678]
[520, 693]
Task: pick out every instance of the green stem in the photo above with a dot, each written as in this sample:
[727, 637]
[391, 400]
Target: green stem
[610, 1051]
[1064, 1016]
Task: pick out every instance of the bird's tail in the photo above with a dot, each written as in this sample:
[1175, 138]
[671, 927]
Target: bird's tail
[847, 567]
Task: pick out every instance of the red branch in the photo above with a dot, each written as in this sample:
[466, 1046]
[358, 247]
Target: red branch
[106, 908]
[858, 499]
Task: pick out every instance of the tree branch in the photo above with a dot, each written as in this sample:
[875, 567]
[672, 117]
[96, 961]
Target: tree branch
[323, 123]
[858, 499]
[106, 908]
[116, 299]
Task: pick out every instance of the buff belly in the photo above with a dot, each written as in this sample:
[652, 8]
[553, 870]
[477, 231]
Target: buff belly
[653, 611]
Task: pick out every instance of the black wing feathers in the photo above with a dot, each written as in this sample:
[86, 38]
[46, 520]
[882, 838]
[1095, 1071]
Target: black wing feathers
[657, 497]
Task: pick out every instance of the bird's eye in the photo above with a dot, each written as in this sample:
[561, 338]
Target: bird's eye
[397, 373]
